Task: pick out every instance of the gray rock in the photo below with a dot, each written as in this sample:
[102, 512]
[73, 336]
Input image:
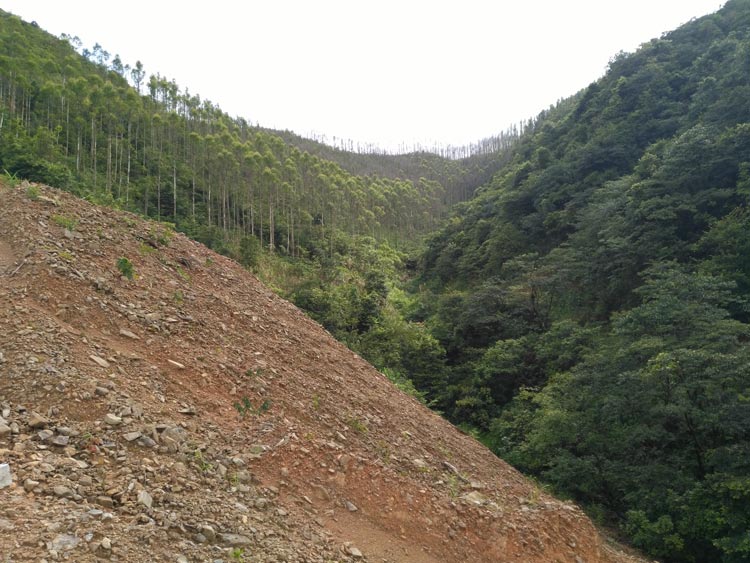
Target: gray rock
[146, 442]
[419, 463]
[63, 542]
[131, 436]
[29, 485]
[106, 543]
[61, 441]
[6, 525]
[145, 499]
[99, 361]
[45, 435]
[244, 476]
[63, 491]
[354, 552]
[4, 430]
[234, 540]
[208, 532]
[475, 497]
[36, 420]
[351, 507]
[112, 420]
[176, 433]
[5, 477]
[105, 501]
[126, 333]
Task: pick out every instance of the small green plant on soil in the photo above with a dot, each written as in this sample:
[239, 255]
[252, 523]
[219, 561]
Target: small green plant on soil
[126, 267]
[67, 256]
[201, 461]
[145, 249]
[384, 451]
[161, 237]
[237, 554]
[246, 407]
[64, 222]
[357, 425]
[13, 181]
[32, 192]
[454, 486]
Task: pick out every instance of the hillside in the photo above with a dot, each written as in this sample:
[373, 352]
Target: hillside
[189, 411]
[592, 299]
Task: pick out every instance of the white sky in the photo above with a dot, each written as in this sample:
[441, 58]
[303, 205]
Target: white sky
[382, 71]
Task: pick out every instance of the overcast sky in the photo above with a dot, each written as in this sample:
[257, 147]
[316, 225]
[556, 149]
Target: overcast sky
[385, 71]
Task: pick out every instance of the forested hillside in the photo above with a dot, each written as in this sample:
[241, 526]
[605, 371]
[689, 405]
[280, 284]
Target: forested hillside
[593, 298]
[458, 169]
[98, 127]
[330, 238]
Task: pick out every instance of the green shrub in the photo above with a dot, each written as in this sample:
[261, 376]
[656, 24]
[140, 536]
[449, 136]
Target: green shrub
[125, 267]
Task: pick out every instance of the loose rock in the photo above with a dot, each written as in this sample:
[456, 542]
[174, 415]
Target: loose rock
[145, 499]
[99, 361]
[112, 420]
[36, 420]
[5, 477]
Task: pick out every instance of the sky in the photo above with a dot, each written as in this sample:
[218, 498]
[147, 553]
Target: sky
[389, 72]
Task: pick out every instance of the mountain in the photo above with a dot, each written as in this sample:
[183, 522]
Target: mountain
[592, 298]
[460, 170]
[159, 403]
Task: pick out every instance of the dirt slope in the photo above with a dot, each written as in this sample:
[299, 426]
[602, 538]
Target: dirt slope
[189, 414]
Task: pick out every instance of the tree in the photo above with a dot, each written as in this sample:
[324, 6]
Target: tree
[651, 423]
[137, 74]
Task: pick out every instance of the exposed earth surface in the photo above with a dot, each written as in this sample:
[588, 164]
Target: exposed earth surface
[190, 414]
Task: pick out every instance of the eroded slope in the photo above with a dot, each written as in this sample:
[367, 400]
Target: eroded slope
[191, 414]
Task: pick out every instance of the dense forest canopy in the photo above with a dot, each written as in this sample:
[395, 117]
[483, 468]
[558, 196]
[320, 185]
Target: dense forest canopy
[582, 307]
[592, 298]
